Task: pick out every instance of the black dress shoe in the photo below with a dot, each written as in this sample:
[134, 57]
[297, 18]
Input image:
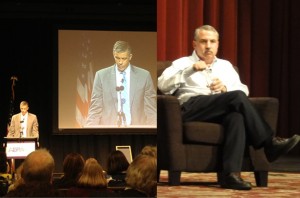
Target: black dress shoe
[280, 146]
[234, 181]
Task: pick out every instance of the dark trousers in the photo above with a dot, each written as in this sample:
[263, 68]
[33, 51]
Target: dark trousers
[242, 123]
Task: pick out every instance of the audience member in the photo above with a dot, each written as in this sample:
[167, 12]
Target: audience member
[72, 167]
[149, 150]
[37, 172]
[141, 177]
[117, 165]
[92, 182]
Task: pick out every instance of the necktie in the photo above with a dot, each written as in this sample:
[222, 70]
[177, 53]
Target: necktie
[125, 101]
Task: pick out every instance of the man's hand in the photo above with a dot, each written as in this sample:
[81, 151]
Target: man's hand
[217, 86]
[200, 66]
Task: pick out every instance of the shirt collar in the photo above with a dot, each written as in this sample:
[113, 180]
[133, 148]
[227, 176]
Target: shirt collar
[127, 70]
[24, 116]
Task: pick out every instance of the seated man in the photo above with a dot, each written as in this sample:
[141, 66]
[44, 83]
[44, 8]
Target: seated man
[209, 89]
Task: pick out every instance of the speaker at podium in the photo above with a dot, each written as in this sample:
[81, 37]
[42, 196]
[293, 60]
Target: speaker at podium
[19, 148]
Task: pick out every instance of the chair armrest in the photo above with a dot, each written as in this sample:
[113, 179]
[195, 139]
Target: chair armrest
[268, 108]
[169, 133]
[169, 115]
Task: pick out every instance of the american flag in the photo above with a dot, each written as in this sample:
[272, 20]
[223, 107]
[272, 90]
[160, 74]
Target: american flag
[85, 78]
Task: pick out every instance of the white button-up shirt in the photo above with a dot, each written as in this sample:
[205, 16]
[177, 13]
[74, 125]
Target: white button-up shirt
[181, 80]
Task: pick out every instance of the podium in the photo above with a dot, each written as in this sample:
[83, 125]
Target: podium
[19, 148]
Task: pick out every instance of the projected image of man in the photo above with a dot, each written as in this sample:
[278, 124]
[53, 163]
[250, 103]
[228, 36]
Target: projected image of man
[123, 94]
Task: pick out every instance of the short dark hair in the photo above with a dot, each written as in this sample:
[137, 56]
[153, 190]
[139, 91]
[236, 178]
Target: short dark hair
[72, 165]
[121, 46]
[204, 27]
[116, 162]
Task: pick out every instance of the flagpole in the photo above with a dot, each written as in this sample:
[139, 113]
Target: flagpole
[12, 99]
[11, 112]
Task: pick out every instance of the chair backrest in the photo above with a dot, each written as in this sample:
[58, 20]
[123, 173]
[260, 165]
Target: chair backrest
[161, 66]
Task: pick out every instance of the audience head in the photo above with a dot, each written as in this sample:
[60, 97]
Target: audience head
[72, 165]
[149, 150]
[116, 162]
[38, 166]
[92, 175]
[141, 174]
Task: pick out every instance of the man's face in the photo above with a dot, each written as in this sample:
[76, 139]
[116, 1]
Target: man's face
[206, 46]
[122, 60]
[24, 109]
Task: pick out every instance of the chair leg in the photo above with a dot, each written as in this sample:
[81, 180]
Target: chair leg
[174, 178]
[261, 178]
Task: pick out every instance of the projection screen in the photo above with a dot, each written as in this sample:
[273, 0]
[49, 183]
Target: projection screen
[81, 53]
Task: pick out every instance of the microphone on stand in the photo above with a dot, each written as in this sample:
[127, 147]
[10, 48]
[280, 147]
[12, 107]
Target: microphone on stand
[120, 88]
[120, 113]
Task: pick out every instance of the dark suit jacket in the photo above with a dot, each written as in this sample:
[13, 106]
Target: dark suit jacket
[32, 126]
[104, 102]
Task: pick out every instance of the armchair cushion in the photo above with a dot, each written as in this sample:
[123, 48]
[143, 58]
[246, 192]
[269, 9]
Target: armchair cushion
[268, 108]
[203, 132]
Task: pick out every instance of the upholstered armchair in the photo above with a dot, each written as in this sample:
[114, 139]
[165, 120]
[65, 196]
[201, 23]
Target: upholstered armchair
[196, 146]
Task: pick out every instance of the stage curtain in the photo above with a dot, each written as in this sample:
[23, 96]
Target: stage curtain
[234, 20]
[177, 20]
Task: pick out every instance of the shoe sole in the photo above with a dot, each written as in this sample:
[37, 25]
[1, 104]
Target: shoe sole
[294, 141]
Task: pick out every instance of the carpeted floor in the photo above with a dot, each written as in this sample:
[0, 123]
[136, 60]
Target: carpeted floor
[284, 181]
[288, 163]
[204, 185]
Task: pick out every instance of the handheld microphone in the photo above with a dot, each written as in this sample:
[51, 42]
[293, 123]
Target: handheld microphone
[120, 88]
